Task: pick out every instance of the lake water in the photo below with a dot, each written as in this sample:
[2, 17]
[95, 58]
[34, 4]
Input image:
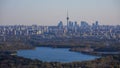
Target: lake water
[49, 54]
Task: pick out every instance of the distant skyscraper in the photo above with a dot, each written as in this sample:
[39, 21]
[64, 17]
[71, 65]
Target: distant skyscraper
[67, 18]
[60, 24]
[96, 23]
[75, 24]
[84, 24]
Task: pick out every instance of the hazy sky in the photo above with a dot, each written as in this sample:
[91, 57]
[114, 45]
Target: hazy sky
[50, 12]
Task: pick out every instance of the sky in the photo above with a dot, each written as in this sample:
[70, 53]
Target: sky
[50, 12]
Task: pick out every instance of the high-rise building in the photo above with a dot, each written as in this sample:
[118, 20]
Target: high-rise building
[67, 18]
[75, 24]
[96, 23]
[84, 24]
[60, 24]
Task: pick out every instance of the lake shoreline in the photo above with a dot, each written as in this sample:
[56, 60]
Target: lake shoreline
[89, 52]
[55, 54]
[14, 61]
[92, 51]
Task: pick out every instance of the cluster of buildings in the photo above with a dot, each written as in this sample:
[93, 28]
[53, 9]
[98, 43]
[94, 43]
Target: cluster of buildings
[71, 30]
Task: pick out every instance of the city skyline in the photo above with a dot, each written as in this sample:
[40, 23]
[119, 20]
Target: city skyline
[50, 12]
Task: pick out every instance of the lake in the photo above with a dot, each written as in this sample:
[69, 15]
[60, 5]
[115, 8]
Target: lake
[49, 54]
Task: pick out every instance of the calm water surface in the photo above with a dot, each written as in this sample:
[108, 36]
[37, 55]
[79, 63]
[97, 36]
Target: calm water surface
[54, 54]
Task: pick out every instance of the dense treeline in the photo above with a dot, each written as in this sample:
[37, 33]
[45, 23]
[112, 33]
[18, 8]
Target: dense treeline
[9, 61]
[14, 46]
[16, 43]
[61, 42]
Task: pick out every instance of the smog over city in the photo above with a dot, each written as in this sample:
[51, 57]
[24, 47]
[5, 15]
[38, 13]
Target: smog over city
[59, 33]
[50, 12]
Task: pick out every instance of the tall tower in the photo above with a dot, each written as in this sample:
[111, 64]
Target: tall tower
[67, 19]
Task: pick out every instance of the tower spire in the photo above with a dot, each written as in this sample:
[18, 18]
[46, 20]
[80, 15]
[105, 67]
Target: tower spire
[67, 13]
[67, 18]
